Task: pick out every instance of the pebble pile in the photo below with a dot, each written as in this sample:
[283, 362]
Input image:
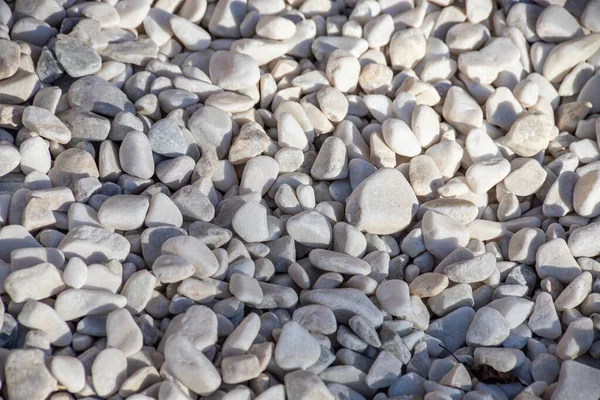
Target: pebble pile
[300, 199]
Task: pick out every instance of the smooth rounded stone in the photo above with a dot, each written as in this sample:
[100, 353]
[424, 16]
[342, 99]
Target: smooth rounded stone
[316, 319]
[69, 372]
[331, 261]
[577, 380]
[94, 245]
[375, 78]
[344, 303]
[135, 155]
[451, 299]
[311, 228]
[194, 252]
[19, 87]
[170, 268]
[37, 315]
[545, 367]
[322, 47]
[75, 57]
[400, 138]
[529, 134]
[123, 333]
[190, 366]
[166, 138]
[349, 376]
[556, 24]
[296, 348]
[589, 16]
[275, 28]
[211, 127]
[575, 293]
[290, 132]
[76, 303]
[461, 110]
[563, 57]
[373, 215]
[394, 297]
[245, 288]
[543, 320]
[407, 48]
[250, 142]
[577, 339]
[526, 179]
[428, 285]
[331, 162]
[233, 71]
[237, 369]
[193, 204]
[192, 36]
[502, 360]
[109, 371]
[9, 158]
[301, 385]
[85, 125]
[471, 271]
[514, 309]
[489, 328]
[241, 338]
[384, 371]
[484, 175]
[46, 124]
[442, 234]
[524, 244]
[209, 234]
[502, 109]
[132, 13]
[458, 377]
[250, 222]
[13, 237]
[123, 212]
[138, 289]
[95, 94]
[259, 175]
[333, 103]
[364, 330]
[554, 259]
[584, 194]
[582, 241]
[34, 283]
[10, 53]
[172, 99]
[162, 211]
[27, 376]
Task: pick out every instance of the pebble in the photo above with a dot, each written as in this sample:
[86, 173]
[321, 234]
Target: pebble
[27, 376]
[76, 303]
[93, 244]
[69, 372]
[34, 283]
[366, 213]
[75, 57]
[9, 60]
[45, 123]
[135, 155]
[489, 328]
[288, 355]
[109, 371]
[123, 212]
[123, 333]
[10, 158]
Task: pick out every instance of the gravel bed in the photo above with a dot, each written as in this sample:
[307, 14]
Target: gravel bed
[300, 199]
